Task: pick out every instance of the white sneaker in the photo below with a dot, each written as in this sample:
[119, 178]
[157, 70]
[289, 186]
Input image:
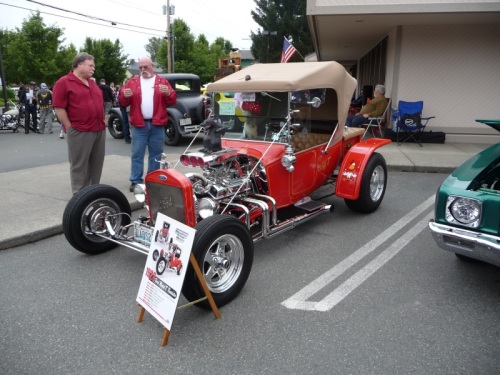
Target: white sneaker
[61, 136]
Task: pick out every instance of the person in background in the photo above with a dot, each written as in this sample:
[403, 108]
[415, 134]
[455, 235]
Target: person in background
[108, 96]
[79, 103]
[148, 96]
[115, 93]
[21, 98]
[125, 121]
[374, 108]
[44, 99]
[21, 95]
[31, 120]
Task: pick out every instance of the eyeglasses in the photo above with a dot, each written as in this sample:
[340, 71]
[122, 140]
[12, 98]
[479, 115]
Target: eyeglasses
[143, 67]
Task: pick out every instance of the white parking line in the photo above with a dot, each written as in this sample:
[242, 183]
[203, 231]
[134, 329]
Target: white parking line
[300, 301]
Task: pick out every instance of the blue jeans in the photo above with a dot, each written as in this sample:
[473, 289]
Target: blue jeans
[125, 123]
[151, 136]
[356, 121]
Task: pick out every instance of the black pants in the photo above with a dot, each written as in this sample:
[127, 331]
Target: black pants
[30, 121]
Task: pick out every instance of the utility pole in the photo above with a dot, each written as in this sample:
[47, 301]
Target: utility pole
[169, 11]
[4, 84]
[169, 59]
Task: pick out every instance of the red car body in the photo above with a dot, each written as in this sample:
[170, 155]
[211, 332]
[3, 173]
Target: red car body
[244, 187]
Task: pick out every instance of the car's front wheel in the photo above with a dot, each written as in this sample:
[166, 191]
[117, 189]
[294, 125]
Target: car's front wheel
[223, 249]
[373, 185]
[115, 126]
[85, 215]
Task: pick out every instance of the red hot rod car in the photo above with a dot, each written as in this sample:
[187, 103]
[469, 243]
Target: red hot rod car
[249, 186]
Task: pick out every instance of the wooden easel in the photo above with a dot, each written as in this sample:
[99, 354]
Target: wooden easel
[208, 296]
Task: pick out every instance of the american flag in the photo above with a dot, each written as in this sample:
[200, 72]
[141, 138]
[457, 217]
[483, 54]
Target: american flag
[288, 51]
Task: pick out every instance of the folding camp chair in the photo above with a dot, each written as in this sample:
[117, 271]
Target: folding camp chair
[377, 122]
[409, 122]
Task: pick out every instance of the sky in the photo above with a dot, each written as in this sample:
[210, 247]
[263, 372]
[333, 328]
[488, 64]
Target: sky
[229, 19]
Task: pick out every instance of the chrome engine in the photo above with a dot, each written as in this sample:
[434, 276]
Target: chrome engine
[490, 179]
[225, 174]
[9, 120]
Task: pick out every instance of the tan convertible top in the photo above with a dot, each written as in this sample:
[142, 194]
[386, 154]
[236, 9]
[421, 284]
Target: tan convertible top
[292, 77]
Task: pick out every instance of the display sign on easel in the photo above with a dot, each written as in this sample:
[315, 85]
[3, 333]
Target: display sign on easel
[165, 269]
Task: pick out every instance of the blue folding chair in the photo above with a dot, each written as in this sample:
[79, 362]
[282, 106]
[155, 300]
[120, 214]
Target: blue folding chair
[409, 122]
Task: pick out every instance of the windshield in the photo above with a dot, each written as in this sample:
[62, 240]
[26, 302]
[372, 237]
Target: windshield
[261, 115]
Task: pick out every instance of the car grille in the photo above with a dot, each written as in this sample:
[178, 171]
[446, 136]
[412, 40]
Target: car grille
[165, 199]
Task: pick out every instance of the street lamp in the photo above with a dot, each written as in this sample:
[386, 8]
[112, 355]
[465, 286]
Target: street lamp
[268, 34]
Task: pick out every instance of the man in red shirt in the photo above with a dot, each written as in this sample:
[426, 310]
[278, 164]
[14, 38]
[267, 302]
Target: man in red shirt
[79, 107]
[148, 96]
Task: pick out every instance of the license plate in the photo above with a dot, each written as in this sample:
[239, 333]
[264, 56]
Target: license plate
[143, 233]
[185, 121]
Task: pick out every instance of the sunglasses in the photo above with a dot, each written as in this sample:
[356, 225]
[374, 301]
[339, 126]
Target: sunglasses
[143, 67]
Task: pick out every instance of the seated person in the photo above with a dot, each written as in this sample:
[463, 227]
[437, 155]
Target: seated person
[374, 108]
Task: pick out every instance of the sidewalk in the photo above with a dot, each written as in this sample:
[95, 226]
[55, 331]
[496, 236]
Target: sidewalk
[34, 199]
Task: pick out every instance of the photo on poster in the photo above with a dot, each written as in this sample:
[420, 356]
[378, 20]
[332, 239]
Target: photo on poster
[165, 269]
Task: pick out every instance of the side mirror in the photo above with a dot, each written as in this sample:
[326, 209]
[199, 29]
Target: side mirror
[315, 102]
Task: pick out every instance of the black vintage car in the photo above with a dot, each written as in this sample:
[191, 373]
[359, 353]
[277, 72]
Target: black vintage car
[184, 117]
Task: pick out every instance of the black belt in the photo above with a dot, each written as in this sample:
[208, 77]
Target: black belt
[147, 119]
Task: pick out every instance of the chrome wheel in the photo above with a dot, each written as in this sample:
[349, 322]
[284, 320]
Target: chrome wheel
[372, 187]
[223, 249]
[93, 219]
[223, 263]
[377, 183]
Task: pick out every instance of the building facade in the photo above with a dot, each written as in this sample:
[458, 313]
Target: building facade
[446, 53]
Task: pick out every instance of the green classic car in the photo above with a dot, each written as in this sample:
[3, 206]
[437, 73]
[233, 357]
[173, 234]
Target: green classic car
[467, 207]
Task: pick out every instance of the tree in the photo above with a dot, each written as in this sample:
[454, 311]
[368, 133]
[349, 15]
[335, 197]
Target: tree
[110, 63]
[183, 44]
[153, 46]
[33, 51]
[204, 60]
[7, 44]
[288, 19]
[190, 54]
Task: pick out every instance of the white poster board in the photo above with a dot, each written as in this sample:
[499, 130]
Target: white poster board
[165, 269]
[227, 108]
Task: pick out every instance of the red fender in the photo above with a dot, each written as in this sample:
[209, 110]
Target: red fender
[353, 165]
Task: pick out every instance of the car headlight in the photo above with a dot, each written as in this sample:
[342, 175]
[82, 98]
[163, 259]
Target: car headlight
[140, 192]
[287, 162]
[465, 211]
[207, 207]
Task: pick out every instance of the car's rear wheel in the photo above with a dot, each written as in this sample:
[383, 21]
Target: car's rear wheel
[85, 214]
[200, 111]
[373, 185]
[223, 249]
[115, 126]
[172, 135]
